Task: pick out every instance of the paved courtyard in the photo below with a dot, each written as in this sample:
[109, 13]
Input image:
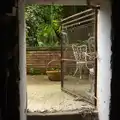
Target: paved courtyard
[45, 96]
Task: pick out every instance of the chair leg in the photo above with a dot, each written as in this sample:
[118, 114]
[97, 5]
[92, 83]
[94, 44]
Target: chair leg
[93, 84]
[75, 70]
[90, 82]
[91, 79]
[80, 69]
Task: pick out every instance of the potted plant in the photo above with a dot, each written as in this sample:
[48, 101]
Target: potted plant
[54, 74]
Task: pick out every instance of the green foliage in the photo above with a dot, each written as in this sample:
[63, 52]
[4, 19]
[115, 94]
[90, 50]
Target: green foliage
[57, 68]
[34, 71]
[42, 24]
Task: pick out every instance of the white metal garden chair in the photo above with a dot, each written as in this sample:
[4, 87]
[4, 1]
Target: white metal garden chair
[90, 63]
[91, 45]
[79, 57]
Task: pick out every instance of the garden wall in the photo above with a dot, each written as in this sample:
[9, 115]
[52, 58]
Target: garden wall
[37, 59]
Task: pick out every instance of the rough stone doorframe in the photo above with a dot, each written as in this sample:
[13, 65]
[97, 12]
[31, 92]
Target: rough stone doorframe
[103, 41]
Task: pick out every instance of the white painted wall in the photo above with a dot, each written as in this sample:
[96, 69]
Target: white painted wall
[104, 53]
[22, 59]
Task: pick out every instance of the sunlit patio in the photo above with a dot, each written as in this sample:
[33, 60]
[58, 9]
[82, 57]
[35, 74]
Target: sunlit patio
[45, 96]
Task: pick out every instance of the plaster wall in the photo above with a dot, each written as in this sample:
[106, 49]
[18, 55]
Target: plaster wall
[22, 63]
[104, 54]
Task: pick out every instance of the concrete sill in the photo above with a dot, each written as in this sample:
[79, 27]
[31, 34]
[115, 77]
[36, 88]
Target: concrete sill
[63, 116]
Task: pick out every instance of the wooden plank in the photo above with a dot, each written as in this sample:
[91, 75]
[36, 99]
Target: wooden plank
[92, 19]
[78, 19]
[88, 10]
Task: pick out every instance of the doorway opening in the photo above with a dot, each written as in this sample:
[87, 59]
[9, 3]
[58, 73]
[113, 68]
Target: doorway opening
[61, 58]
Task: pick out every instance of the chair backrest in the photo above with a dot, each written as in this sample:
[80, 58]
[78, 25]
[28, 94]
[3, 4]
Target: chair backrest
[90, 60]
[78, 51]
[91, 44]
[81, 50]
[75, 52]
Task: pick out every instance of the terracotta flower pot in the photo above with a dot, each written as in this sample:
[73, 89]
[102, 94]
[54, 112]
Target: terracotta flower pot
[54, 75]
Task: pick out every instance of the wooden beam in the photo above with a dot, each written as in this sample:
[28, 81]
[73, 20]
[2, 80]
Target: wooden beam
[92, 19]
[89, 15]
[88, 10]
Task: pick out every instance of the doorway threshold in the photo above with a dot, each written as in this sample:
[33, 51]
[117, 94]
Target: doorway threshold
[68, 115]
[63, 113]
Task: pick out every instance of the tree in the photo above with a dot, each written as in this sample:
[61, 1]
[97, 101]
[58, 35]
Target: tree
[43, 24]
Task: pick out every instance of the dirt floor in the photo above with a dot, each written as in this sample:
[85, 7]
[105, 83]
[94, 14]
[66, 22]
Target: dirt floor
[45, 96]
